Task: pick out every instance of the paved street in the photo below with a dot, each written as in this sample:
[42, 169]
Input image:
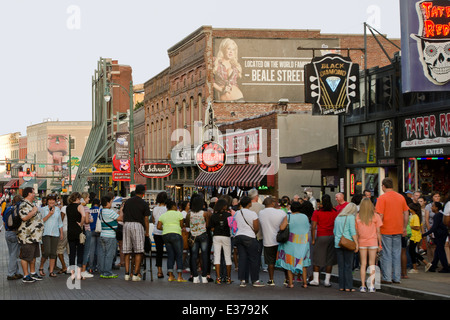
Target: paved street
[160, 289]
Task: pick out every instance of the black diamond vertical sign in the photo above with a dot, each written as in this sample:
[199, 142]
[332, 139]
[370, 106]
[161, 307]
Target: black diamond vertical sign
[331, 84]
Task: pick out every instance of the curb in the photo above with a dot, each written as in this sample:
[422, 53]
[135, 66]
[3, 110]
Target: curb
[400, 291]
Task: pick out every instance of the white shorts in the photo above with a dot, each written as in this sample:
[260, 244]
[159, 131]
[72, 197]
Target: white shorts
[220, 242]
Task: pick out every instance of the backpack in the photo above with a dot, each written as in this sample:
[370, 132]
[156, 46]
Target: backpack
[233, 225]
[12, 217]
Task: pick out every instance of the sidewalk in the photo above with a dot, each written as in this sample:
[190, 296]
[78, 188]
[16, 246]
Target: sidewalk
[420, 286]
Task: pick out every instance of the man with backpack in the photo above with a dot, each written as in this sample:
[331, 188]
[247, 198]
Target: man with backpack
[11, 238]
[29, 235]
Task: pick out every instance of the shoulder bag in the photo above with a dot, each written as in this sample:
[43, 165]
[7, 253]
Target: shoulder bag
[345, 243]
[283, 235]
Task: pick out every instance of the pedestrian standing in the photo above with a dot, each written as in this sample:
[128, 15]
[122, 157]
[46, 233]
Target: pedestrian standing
[368, 224]
[221, 239]
[75, 233]
[158, 210]
[324, 253]
[170, 223]
[94, 212]
[136, 214]
[63, 244]
[440, 235]
[53, 233]
[11, 241]
[344, 226]
[108, 241]
[198, 220]
[29, 235]
[85, 201]
[294, 255]
[270, 220]
[395, 215]
[248, 248]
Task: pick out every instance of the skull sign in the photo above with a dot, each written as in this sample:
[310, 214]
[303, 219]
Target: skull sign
[433, 40]
[436, 60]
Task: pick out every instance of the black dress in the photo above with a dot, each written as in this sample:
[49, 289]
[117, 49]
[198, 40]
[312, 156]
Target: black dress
[73, 218]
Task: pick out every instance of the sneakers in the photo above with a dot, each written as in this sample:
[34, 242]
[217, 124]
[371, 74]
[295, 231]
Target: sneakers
[127, 277]
[427, 267]
[205, 280]
[362, 289]
[28, 279]
[136, 277]
[218, 281]
[243, 284]
[196, 279]
[271, 283]
[228, 280]
[111, 276]
[372, 290]
[258, 283]
[313, 283]
[36, 277]
[86, 275]
[413, 271]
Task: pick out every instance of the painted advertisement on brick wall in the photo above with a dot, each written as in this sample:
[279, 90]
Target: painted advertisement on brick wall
[263, 70]
[425, 45]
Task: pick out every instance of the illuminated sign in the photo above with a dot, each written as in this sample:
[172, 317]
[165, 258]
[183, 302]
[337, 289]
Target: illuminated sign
[155, 170]
[331, 84]
[425, 45]
[210, 157]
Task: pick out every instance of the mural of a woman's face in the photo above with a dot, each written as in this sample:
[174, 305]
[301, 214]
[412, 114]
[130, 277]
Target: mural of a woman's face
[230, 52]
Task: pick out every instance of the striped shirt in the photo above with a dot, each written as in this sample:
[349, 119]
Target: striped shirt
[109, 216]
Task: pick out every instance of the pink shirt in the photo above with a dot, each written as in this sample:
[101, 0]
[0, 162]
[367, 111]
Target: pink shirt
[367, 234]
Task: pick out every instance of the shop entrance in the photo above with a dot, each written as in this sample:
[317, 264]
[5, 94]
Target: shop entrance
[427, 174]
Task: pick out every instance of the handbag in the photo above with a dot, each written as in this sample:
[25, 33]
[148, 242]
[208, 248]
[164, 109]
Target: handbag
[185, 235]
[98, 225]
[82, 238]
[345, 243]
[118, 230]
[283, 235]
[191, 240]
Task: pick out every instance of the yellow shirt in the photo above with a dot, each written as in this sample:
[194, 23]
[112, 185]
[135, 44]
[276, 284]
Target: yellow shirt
[416, 235]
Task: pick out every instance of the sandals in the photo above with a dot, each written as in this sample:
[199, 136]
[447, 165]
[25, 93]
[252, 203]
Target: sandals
[41, 272]
[62, 271]
[52, 274]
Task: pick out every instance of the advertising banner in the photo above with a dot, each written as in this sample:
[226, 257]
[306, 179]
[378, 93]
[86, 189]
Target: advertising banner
[122, 150]
[425, 45]
[263, 70]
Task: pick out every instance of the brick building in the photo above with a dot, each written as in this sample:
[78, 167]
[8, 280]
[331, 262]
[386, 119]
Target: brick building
[177, 97]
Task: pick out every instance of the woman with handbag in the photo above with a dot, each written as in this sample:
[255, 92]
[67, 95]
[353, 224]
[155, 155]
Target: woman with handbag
[247, 244]
[346, 244]
[293, 255]
[75, 235]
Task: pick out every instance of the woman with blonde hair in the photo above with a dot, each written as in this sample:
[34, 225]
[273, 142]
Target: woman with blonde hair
[227, 70]
[368, 224]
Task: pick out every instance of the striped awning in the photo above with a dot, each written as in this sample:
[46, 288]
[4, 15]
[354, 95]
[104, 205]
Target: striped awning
[234, 175]
[12, 184]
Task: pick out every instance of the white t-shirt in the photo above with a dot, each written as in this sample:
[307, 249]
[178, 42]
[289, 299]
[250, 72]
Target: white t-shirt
[245, 228]
[157, 212]
[270, 220]
[447, 209]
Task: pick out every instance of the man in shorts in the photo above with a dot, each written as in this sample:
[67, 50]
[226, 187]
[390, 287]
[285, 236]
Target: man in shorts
[136, 213]
[29, 236]
[270, 220]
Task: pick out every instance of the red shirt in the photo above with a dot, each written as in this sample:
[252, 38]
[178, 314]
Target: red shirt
[325, 221]
[339, 207]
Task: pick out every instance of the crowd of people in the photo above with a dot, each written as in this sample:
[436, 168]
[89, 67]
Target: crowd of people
[303, 237]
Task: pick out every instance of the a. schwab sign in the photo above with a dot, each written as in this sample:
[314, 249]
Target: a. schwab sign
[425, 45]
[426, 130]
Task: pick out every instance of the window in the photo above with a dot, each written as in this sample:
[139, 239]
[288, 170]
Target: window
[361, 150]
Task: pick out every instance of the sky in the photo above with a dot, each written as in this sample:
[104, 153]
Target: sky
[50, 48]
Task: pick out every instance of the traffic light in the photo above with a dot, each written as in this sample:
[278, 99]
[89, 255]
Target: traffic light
[33, 168]
[8, 166]
[28, 171]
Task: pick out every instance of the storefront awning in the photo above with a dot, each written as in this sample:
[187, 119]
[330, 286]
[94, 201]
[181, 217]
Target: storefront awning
[325, 158]
[12, 184]
[234, 175]
[42, 184]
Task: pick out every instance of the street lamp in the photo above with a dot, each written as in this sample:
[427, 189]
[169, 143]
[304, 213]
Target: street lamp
[107, 97]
